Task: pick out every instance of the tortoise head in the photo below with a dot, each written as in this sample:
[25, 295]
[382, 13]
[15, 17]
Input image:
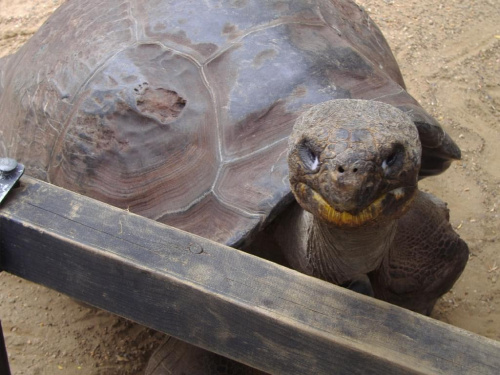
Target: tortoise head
[354, 162]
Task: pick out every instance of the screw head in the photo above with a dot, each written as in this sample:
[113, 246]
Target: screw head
[195, 248]
[7, 165]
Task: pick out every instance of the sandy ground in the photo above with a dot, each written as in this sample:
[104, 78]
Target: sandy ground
[449, 52]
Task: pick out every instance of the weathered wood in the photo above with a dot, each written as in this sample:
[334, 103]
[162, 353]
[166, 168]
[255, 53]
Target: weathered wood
[219, 298]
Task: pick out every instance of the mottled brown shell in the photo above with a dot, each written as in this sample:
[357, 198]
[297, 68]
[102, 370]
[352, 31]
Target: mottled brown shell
[180, 110]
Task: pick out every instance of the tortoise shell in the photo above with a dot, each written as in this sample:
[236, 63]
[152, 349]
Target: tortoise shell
[180, 110]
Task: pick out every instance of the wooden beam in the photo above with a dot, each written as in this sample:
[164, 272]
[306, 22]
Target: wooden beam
[219, 298]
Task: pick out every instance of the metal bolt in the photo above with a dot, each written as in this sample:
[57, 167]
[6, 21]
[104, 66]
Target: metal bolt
[10, 172]
[195, 248]
[7, 165]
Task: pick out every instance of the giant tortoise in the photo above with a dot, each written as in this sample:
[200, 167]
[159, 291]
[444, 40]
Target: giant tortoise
[183, 111]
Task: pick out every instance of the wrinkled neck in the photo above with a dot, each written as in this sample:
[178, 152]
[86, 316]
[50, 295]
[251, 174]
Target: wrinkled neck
[341, 255]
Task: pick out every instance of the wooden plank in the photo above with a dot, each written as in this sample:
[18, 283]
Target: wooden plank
[219, 298]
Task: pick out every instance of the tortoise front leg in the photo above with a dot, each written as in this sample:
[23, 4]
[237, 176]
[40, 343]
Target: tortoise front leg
[175, 357]
[425, 260]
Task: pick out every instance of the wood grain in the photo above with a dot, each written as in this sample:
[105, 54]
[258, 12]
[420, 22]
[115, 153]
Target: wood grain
[219, 298]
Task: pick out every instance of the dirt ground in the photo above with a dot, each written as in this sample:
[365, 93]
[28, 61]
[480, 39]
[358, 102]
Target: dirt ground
[449, 52]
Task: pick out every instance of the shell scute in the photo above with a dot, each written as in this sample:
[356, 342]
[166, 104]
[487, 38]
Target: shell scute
[139, 132]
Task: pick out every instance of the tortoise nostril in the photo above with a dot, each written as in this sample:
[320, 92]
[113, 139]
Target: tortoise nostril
[340, 169]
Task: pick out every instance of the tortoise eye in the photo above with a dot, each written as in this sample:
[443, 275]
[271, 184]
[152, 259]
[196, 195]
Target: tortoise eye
[391, 159]
[395, 157]
[308, 156]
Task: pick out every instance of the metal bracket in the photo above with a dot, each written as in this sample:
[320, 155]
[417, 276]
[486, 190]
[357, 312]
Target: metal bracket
[10, 173]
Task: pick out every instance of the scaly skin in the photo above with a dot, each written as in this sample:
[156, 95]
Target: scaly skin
[354, 161]
[354, 169]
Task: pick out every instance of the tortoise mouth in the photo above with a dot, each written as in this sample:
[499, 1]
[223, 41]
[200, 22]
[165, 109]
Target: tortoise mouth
[389, 205]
